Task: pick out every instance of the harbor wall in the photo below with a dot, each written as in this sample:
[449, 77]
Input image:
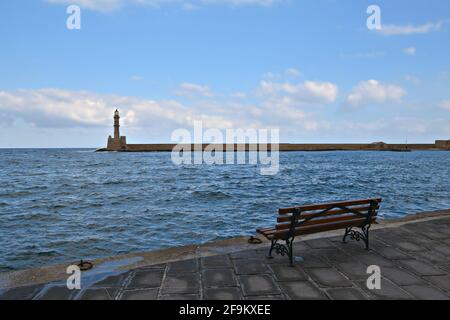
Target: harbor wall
[283, 147]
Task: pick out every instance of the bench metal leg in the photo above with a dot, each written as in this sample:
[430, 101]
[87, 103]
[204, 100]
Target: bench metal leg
[365, 231]
[290, 253]
[283, 249]
[357, 235]
[273, 243]
[347, 231]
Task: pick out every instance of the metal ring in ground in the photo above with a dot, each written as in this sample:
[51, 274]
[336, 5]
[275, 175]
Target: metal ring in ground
[254, 240]
[85, 265]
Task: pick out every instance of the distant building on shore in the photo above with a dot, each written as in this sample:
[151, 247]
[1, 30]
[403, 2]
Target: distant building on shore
[443, 144]
[119, 143]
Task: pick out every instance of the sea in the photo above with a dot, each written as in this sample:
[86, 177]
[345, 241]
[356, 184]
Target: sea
[63, 205]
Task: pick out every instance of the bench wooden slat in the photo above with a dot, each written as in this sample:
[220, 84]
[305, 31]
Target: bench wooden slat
[287, 216]
[327, 205]
[284, 226]
[282, 234]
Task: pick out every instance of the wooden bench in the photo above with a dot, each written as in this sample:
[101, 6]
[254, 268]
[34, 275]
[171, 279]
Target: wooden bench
[309, 219]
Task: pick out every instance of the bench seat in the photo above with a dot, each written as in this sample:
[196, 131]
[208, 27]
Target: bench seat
[303, 220]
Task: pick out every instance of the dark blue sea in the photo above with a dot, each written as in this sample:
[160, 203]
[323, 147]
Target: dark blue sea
[61, 205]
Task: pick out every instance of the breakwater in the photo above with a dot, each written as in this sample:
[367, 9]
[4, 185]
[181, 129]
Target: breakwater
[282, 147]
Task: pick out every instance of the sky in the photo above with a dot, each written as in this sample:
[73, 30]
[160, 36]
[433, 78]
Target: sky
[311, 68]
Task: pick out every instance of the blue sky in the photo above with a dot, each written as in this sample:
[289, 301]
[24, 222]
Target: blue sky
[310, 68]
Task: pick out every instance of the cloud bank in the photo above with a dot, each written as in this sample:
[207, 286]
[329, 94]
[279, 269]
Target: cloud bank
[373, 91]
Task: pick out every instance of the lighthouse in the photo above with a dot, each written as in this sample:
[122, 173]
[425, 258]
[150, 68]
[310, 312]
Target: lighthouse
[116, 125]
[117, 143]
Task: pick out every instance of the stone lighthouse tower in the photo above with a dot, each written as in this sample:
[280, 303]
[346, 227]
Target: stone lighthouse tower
[117, 143]
[116, 125]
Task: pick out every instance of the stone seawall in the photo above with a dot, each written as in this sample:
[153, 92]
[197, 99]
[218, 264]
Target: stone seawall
[283, 147]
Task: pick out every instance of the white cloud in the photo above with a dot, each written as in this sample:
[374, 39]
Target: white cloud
[111, 5]
[292, 72]
[191, 89]
[372, 91]
[410, 51]
[445, 105]
[306, 92]
[63, 108]
[393, 30]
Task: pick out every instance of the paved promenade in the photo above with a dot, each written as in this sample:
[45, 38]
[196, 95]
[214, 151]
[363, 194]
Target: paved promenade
[414, 259]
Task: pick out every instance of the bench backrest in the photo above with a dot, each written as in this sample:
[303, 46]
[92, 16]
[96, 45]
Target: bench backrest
[309, 215]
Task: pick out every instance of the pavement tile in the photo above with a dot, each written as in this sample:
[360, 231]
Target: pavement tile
[268, 298]
[112, 281]
[183, 283]
[223, 294]
[322, 243]
[218, 278]
[312, 261]
[59, 292]
[21, 293]
[300, 246]
[346, 294]
[185, 266]
[287, 273]
[329, 277]
[247, 254]
[146, 279]
[388, 291]
[222, 261]
[442, 282]
[258, 285]
[400, 277]
[423, 292]
[353, 270]
[372, 258]
[142, 294]
[422, 268]
[391, 253]
[431, 256]
[95, 294]
[443, 249]
[250, 266]
[302, 290]
[179, 297]
[332, 255]
[408, 246]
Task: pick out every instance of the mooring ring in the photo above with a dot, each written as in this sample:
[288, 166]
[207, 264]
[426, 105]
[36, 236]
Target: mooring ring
[254, 240]
[85, 265]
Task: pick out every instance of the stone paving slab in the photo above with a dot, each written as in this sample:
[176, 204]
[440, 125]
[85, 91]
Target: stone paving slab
[414, 261]
[218, 278]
